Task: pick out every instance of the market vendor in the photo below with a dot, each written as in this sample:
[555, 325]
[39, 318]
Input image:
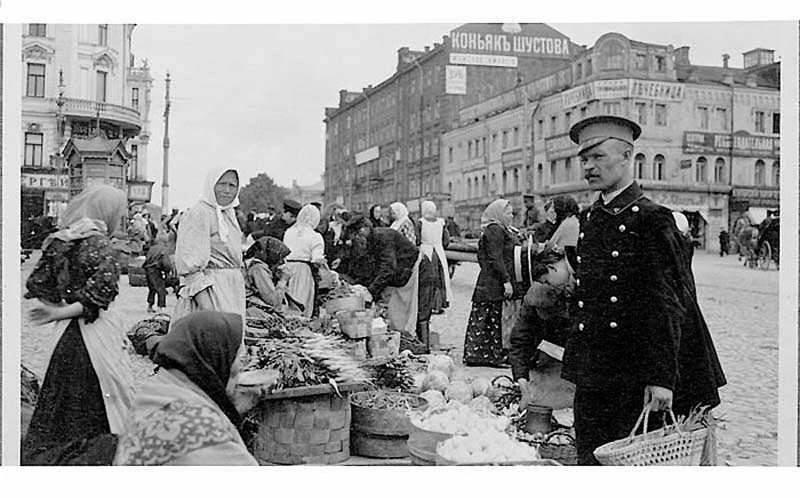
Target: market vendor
[265, 278]
[638, 340]
[401, 276]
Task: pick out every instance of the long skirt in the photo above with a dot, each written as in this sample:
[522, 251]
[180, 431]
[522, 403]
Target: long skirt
[438, 285]
[483, 343]
[69, 424]
[227, 294]
[302, 286]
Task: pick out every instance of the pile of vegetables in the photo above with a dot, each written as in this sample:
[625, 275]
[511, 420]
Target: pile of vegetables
[391, 373]
[306, 359]
[277, 325]
[487, 447]
[387, 400]
[439, 386]
[458, 418]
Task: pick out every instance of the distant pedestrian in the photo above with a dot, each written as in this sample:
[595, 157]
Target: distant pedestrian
[157, 265]
[278, 225]
[724, 243]
[452, 228]
[376, 217]
[433, 239]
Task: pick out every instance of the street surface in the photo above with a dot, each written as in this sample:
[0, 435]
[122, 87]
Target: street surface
[739, 304]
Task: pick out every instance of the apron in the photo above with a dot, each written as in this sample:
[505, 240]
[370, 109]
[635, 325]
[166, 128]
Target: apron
[227, 294]
[430, 241]
[302, 286]
[403, 302]
[109, 349]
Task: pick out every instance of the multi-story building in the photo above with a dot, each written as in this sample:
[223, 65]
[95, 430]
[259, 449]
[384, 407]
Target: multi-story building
[85, 114]
[382, 143]
[709, 145]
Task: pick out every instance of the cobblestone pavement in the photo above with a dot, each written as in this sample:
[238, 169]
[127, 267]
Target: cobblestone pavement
[740, 306]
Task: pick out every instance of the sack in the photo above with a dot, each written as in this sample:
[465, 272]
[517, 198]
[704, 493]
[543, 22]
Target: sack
[666, 446]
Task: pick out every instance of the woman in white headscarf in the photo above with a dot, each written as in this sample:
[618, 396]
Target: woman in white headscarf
[208, 253]
[402, 223]
[433, 238]
[307, 253]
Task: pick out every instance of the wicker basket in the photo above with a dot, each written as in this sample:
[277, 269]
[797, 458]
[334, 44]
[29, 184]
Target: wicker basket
[666, 446]
[565, 454]
[304, 426]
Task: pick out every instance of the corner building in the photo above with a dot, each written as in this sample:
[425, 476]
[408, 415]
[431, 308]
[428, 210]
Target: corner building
[709, 148]
[85, 111]
[383, 142]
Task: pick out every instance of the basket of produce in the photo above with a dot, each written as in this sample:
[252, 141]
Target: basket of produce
[487, 448]
[678, 444]
[559, 445]
[379, 427]
[437, 425]
[306, 418]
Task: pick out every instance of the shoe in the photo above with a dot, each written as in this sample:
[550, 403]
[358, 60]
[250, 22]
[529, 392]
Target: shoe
[150, 309]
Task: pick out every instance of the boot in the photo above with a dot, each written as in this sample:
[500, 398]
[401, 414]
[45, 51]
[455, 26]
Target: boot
[423, 334]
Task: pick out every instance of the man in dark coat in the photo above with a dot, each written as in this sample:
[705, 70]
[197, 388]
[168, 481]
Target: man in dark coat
[639, 339]
[278, 226]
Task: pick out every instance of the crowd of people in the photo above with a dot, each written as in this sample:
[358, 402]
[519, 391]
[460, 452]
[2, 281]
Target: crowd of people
[605, 294]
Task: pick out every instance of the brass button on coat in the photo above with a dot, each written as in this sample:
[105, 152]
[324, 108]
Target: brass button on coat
[580, 304]
[614, 299]
[614, 254]
[614, 278]
[635, 209]
[613, 325]
[622, 228]
[580, 326]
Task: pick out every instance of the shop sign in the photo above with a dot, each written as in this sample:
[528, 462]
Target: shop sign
[578, 95]
[139, 191]
[611, 89]
[560, 147]
[752, 194]
[679, 199]
[455, 80]
[656, 90]
[33, 180]
[740, 144]
[484, 60]
[367, 155]
[510, 44]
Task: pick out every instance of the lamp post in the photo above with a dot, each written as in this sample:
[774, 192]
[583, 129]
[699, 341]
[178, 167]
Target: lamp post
[165, 172]
[61, 126]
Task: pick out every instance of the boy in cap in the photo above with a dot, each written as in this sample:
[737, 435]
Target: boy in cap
[639, 339]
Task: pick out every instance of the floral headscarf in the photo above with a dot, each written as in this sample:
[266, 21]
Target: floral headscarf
[495, 213]
[222, 211]
[269, 250]
[97, 210]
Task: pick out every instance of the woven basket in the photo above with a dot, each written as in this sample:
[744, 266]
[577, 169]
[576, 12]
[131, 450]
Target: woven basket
[309, 429]
[565, 454]
[666, 446]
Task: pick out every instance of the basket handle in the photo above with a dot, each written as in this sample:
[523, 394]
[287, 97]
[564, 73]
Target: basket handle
[645, 416]
[558, 433]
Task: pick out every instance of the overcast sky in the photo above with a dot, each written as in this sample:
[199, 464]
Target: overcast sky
[253, 96]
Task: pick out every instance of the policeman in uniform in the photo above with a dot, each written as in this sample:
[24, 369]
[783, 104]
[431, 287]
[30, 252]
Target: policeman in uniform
[639, 338]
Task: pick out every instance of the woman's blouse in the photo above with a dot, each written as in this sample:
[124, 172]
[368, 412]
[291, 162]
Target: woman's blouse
[81, 271]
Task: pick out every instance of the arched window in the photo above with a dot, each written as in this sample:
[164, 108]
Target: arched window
[613, 55]
[553, 166]
[484, 187]
[539, 176]
[701, 171]
[528, 178]
[450, 189]
[477, 187]
[719, 170]
[469, 187]
[760, 173]
[493, 184]
[638, 166]
[505, 182]
[658, 167]
[776, 173]
[568, 169]
[516, 179]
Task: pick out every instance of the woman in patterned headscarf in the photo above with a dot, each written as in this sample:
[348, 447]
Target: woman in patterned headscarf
[189, 412]
[265, 280]
[208, 253]
[402, 223]
[88, 385]
[307, 253]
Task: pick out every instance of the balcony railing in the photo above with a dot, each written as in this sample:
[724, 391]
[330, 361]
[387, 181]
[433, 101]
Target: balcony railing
[108, 111]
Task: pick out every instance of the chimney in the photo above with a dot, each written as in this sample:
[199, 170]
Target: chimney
[342, 97]
[682, 56]
[427, 48]
[725, 59]
[728, 79]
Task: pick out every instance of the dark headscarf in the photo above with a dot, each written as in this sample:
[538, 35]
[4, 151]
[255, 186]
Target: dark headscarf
[203, 345]
[375, 221]
[269, 250]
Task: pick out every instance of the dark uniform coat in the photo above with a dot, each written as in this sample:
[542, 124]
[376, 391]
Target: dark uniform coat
[636, 319]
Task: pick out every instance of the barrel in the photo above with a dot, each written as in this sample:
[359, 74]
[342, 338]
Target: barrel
[381, 433]
[422, 444]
